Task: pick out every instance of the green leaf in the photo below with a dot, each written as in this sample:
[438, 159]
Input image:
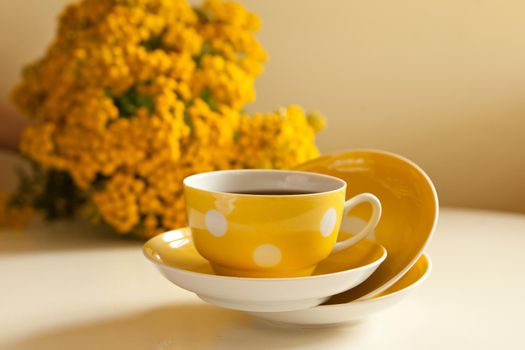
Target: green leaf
[108, 93]
[60, 197]
[236, 135]
[206, 49]
[202, 14]
[187, 118]
[49, 190]
[207, 96]
[130, 101]
[153, 43]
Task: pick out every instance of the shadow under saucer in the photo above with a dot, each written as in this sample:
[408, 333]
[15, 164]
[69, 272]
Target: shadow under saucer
[184, 326]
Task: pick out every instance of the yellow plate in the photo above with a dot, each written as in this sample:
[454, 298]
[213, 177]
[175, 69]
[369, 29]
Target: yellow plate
[172, 250]
[416, 273]
[350, 312]
[410, 209]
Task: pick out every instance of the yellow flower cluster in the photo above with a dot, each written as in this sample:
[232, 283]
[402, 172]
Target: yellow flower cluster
[135, 95]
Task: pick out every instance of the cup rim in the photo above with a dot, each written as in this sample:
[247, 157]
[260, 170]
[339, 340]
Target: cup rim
[342, 183]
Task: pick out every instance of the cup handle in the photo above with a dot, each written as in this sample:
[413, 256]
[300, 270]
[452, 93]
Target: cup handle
[372, 223]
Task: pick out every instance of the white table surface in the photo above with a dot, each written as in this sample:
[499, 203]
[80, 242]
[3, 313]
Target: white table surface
[67, 286]
[70, 286]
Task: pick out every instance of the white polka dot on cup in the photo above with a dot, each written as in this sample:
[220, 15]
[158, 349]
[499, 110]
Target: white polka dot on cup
[328, 222]
[267, 255]
[216, 223]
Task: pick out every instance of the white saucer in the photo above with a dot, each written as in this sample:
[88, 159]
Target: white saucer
[175, 256]
[348, 313]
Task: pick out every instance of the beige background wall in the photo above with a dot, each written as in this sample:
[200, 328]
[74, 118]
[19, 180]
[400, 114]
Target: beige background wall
[439, 81]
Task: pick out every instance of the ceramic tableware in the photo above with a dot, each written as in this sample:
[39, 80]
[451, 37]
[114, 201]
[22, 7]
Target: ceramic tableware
[410, 210]
[351, 312]
[175, 256]
[270, 223]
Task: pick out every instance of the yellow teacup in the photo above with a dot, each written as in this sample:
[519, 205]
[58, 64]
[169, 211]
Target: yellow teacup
[269, 223]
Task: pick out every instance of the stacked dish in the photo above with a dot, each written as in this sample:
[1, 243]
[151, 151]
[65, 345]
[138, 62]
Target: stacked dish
[346, 286]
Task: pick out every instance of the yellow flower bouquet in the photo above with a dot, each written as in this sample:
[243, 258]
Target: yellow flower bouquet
[134, 95]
